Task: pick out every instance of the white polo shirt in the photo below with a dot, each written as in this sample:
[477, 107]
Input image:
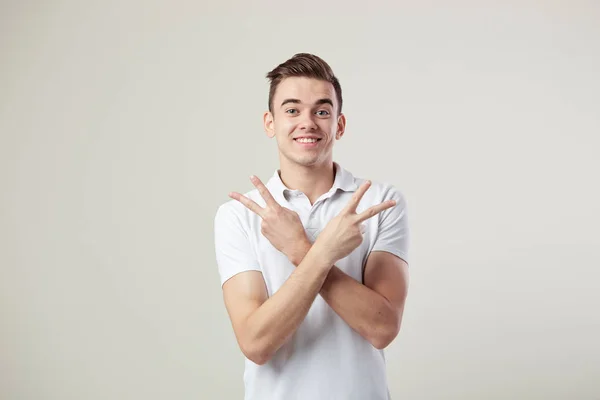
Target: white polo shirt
[325, 358]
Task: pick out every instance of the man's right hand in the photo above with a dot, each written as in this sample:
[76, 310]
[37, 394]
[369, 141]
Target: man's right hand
[344, 233]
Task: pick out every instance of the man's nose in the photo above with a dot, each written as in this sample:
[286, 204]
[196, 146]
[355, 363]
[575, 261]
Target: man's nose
[308, 123]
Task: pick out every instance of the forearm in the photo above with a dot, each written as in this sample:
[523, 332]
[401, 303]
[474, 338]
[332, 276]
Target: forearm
[272, 324]
[363, 309]
[366, 311]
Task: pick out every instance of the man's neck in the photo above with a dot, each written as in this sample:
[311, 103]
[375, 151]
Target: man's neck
[313, 181]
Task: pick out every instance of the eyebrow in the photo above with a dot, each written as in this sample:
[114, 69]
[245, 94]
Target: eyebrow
[320, 101]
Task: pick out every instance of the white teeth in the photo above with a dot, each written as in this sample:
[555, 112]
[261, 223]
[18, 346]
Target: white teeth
[306, 140]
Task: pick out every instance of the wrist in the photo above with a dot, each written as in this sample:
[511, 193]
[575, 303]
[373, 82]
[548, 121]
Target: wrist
[299, 252]
[316, 256]
[322, 253]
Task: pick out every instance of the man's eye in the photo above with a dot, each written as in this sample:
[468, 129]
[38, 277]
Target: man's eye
[323, 112]
[291, 111]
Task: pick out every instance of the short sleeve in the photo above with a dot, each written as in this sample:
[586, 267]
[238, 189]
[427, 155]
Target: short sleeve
[234, 252]
[393, 233]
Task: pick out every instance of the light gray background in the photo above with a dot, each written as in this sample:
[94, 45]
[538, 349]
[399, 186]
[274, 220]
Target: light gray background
[124, 125]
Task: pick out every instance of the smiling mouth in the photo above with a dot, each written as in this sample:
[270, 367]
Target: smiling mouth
[301, 140]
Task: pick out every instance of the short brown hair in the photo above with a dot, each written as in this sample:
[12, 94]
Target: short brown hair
[304, 65]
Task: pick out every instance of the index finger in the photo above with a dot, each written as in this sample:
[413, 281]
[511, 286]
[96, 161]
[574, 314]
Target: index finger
[356, 197]
[250, 204]
[264, 192]
[372, 211]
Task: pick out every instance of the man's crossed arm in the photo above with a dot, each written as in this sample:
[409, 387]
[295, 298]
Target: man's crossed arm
[374, 309]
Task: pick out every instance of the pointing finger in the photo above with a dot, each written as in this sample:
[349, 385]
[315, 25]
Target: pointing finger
[250, 204]
[356, 197]
[264, 192]
[372, 211]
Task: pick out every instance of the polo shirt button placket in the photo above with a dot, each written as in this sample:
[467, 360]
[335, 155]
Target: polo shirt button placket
[310, 226]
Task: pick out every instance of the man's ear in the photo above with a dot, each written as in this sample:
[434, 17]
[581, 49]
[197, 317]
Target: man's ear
[268, 122]
[341, 126]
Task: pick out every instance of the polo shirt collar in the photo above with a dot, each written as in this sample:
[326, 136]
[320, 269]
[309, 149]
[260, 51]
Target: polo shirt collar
[343, 180]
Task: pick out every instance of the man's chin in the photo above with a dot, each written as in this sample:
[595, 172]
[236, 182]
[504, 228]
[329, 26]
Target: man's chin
[307, 161]
[304, 160]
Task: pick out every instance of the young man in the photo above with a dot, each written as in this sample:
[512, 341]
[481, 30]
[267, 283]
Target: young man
[313, 264]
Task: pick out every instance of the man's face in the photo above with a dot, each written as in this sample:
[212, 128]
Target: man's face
[305, 120]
